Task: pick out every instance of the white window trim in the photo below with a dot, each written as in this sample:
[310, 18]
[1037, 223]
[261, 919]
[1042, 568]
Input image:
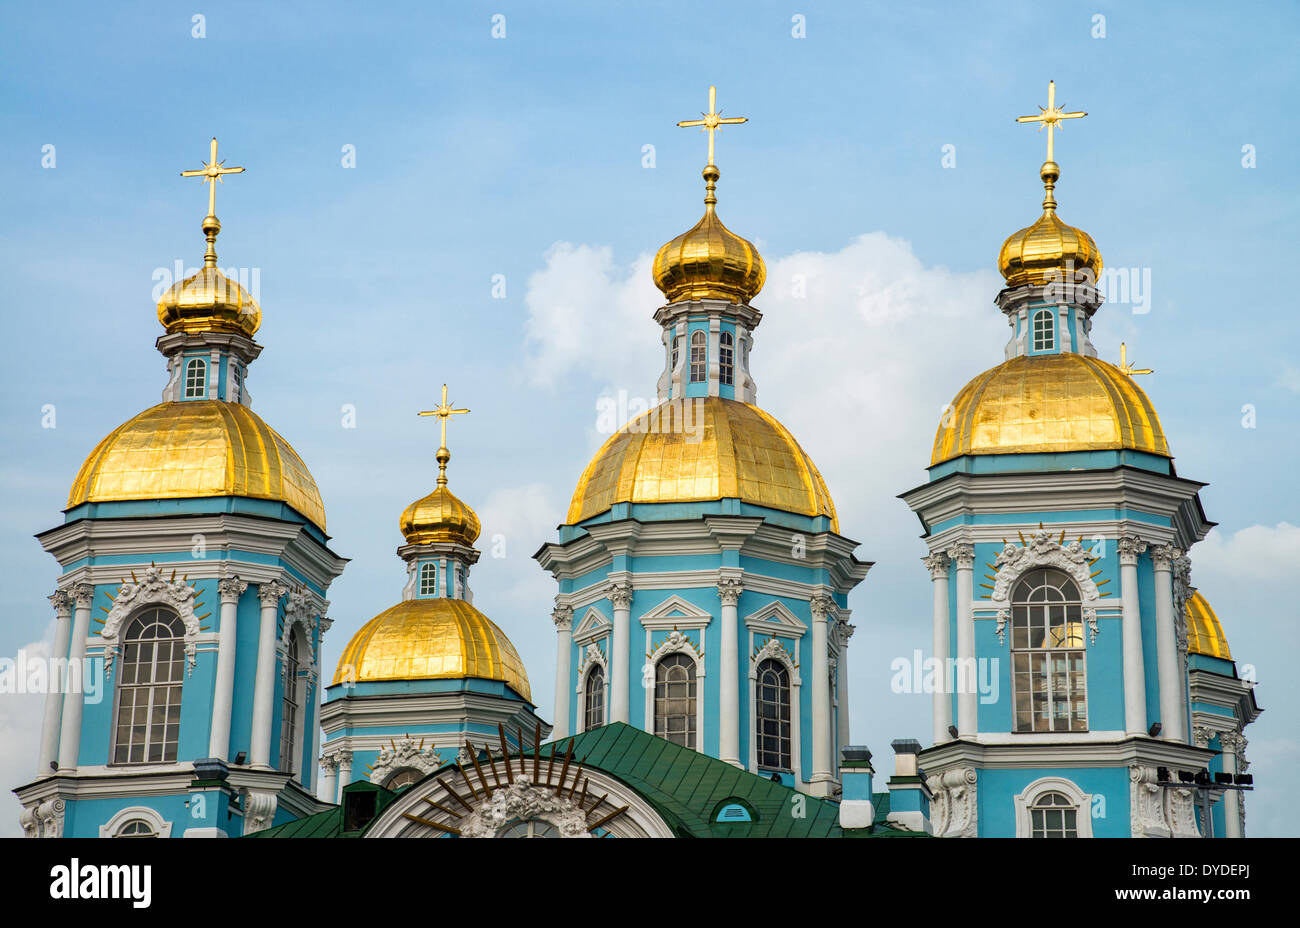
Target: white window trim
[161, 828]
[775, 648]
[677, 643]
[202, 365]
[1033, 329]
[1025, 801]
[592, 654]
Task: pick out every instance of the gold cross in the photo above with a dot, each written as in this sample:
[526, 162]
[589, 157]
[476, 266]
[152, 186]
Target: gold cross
[444, 412]
[712, 120]
[1050, 116]
[211, 174]
[1128, 368]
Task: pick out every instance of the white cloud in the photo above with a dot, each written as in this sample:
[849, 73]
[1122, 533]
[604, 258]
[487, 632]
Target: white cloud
[1258, 552]
[20, 733]
[582, 300]
[1290, 379]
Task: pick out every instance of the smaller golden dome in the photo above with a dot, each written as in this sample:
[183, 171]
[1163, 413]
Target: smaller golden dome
[209, 301]
[709, 261]
[1041, 253]
[440, 516]
[197, 448]
[1204, 633]
[1049, 403]
[432, 639]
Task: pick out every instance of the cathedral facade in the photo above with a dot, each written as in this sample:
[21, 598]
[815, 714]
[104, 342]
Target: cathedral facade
[1082, 687]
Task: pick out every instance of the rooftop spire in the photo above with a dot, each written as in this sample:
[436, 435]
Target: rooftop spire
[712, 121]
[443, 411]
[1050, 116]
[211, 173]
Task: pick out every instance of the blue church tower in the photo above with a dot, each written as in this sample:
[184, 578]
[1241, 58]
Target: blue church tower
[431, 674]
[703, 579]
[1070, 698]
[191, 603]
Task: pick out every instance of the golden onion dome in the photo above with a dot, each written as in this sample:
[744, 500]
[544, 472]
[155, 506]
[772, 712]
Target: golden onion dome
[440, 516]
[1049, 403]
[197, 448]
[209, 301]
[432, 639]
[1042, 252]
[709, 261]
[728, 450]
[1204, 633]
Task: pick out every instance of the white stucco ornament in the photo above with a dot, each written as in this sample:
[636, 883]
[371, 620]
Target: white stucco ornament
[153, 589]
[1042, 550]
[524, 801]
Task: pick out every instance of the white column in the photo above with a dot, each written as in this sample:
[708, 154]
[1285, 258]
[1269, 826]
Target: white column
[62, 603]
[562, 616]
[1135, 689]
[1233, 745]
[329, 779]
[229, 590]
[620, 686]
[822, 609]
[70, 724]
[729, 589]
[844, 631]
[967, 680]
[259, 748]
[345, 771]
[937, 563]
[1172, 725]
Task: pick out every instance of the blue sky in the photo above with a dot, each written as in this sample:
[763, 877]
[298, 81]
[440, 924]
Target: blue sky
[523, 156]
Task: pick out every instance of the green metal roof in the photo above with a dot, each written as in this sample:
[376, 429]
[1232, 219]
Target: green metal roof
[685, 787]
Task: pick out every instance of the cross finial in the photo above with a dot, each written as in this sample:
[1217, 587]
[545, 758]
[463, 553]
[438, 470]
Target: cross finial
[712, 120]
[211, 174]
[1050, 116]
[443, 411]
[1126, 367]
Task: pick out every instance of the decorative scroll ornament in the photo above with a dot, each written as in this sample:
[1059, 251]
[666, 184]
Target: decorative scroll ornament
[259, 809]
[402, 755]
[937, 564]
[591, 654]
[302, 609]
[1201, 736]
[229, 589]
[823, 607]
[774, 649]
[62, 603]
[522, 801]
[676, 641]
[953, 810]
[844, 631]
[562, 616]
[1043, 551]
[43, 819]
[153, 589]
[1146, 806]
[1183, 590]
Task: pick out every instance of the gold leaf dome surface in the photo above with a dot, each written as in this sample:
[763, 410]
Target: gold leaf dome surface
[432, 639]
[197, 448]
[209, 302]
[1040, 253]
[440, 516]
[1049, 403]
[709, 261]
[1204, 633]
[740, 452]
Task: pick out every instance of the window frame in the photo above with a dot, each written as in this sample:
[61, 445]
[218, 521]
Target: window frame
[1033, 793]
[129, 668]
[785, 733]
[196, 379]
[1047, 331]
[293, 713]
[592, 693]
[1040, 661]
[727, 359]
[699, 346]
[428, 571]
[691, 718]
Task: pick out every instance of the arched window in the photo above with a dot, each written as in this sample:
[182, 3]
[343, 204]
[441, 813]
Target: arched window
[726, 357]
[1049, 677]
[677, 346]
[460, 580]
[528, 828]
[1053, 815]
[149, 689]
[428, 579]
[593, 699]
[196, 379]
[136, 828]
[291, 716]
[404, 777]
[675, 699]
[772, 721]
[699, 357]
[238, 388]
[1044, 330]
